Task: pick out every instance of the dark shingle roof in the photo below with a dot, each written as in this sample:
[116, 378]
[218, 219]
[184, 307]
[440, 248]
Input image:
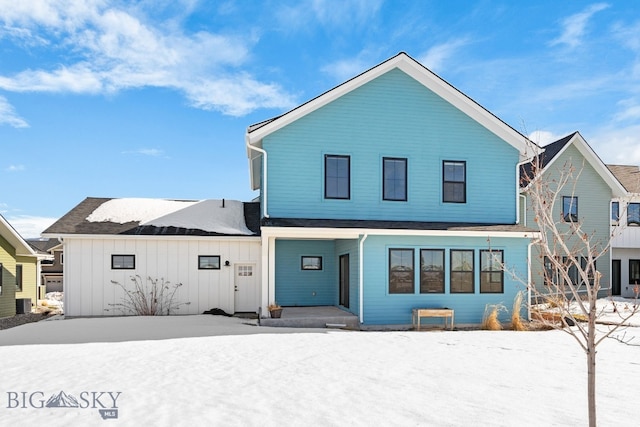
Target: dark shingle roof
[43, 245]
[629, 176]
[550, 152]
[392, 225]
[75, 222]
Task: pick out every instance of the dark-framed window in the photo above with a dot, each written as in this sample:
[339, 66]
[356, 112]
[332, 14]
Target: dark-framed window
[123, 262]
[634, 271]
[461, 275]
[208, 262]
[401, 271]
[311, 263]
[615, 212]
[570, 208]
[633, 214]
[454, 181]
[491, 271]
[551, 274]
[19, 277]
[1, 276]
[337, 177]
[394, 179]
[431, 271]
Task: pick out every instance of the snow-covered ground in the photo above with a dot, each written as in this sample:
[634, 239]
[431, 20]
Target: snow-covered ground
[226, 371]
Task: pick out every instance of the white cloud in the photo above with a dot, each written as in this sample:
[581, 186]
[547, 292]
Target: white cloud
[115, 49]
[8, 115]
[328, 13]
[573, 27]
[15, 168]
[345, 69]
[618, 145]
[30, 226]
[152, 152]
[435, 57]
[630, 110]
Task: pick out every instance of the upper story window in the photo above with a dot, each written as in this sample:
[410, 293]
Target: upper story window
[401, 270]
[394, 179]
[570, 208]
[633, 214]
[615, 212]
[1, 274]
[123, 262]
[337, 177]
[454, 182]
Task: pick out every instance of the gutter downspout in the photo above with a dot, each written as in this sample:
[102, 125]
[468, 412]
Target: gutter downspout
[264, 174]
[361, 278]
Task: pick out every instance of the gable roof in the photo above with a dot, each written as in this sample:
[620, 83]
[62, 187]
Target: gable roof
[13, 237]
[628, 175]
[256, 132]
[107, 216]
[552, 151]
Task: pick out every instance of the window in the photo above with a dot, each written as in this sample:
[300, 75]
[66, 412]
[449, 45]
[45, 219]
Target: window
[454, 182]
[491, 273]
[19, 277]
[337, 177]
[123, 262]
[551, 274]
[401, 270]
[394, 181]
[633, 214]
[634, 271]
[1, 274]
[432, 271]
[461, 271]
[61, 258]
[311, 263]
[615, 212]
[245, 270]
[570, 208]
[208, 262]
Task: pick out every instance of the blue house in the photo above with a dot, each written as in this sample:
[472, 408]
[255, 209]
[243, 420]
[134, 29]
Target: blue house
[389, 192]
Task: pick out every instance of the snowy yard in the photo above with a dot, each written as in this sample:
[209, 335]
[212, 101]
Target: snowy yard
[228, 372]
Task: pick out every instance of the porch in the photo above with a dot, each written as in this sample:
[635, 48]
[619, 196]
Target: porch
[313, 317]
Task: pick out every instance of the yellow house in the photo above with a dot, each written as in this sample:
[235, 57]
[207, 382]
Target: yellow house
[19, 275]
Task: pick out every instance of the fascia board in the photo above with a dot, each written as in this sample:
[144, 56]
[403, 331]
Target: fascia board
[67, 237]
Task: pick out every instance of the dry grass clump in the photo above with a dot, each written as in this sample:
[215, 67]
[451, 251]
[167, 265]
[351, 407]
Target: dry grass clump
[490, 321]
[516, 321]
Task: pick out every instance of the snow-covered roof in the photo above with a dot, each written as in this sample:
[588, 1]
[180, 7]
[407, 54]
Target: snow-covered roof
[157, 217]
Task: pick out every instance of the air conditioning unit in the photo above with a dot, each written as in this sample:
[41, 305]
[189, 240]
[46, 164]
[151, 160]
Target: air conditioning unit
[23, 305]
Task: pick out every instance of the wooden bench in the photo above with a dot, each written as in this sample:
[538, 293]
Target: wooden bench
[419, 313]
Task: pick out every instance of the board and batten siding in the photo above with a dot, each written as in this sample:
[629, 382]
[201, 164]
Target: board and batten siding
[391, 116]
[88, 273]
[594, 199]
[8, 295]
[384, 308]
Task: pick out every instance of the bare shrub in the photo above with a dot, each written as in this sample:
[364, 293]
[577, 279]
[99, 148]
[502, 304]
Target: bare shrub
[153, 297]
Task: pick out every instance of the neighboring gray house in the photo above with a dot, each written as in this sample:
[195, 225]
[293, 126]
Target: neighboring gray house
[588, 200]
[51, 269]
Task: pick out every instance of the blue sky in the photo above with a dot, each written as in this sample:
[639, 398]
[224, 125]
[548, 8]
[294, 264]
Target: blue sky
[152, 98]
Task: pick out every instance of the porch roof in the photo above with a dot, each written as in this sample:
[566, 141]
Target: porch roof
[392, 225]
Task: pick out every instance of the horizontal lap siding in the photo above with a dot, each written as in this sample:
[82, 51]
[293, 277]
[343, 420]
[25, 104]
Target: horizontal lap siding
[392, 116]
[8, 261]
[88, 273]
[29, 278]
[297, 287]
[381, 307]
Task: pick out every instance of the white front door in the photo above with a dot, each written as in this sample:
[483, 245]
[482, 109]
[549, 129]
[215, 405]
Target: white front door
[246, 288]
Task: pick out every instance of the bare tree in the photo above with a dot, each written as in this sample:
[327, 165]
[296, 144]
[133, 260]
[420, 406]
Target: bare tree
[567, 299]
